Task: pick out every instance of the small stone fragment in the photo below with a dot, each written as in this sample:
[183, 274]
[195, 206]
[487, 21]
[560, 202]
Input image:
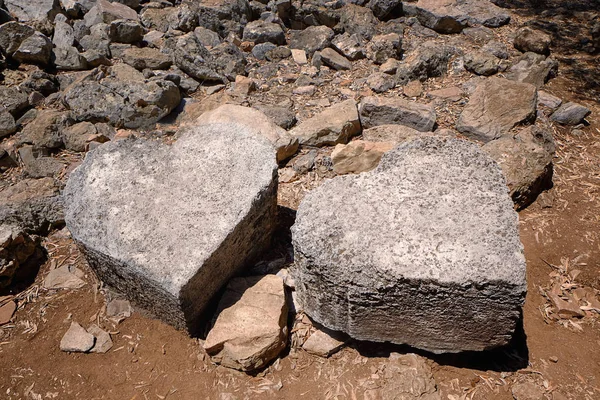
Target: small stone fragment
[119, 308]
[336, 124]
[299, 56]
[570, 114]
[528, 39]
[103, 341]
[384, 111]
[335, 60]
[6, 311]
[65, 277]
[481, 63]
[324, 344]
[528, 391]
[77, 339]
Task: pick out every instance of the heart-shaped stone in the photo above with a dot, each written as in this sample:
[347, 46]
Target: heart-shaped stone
[423, 250]
[169, 225]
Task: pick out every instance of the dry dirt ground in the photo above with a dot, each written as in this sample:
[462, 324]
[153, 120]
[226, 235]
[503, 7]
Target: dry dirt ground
[151, 360]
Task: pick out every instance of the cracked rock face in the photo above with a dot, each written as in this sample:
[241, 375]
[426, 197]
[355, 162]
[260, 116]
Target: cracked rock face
[427, 253]
[169, 225]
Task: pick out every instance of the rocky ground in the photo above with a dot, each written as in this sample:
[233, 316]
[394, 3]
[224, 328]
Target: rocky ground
[335, 86]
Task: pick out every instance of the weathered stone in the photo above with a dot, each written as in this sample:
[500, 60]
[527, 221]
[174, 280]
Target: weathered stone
[299, 56]
[429, 240]
[77, 339]
[194, 59]
[390, 133]
[548, 100]
[123, 98]
[284, 143]
[570, 114]
[13, 99]
[311, 39]
[68, 58]
[36, 49]
[383, 47]
[496, 48]
[39, 167]
[77, 137]
[335, 60]
[427, 61]
[384, 111]
[251, 327]
[349, 46]
[207, 37]
[65, 277]
[358, 156]
[33, 10]
[146, 57]
[384, 8]
[12, 34]
[44, 132]
[528, 39]
[261, 31]
[125, 31]
[21, 254]
[282, 116]
[452, 16]
[526, 161]
[497, 106]
[260, 50]
[215, 226]
[481, 63]
[380, 82]
[7, 124]
[106, 12]
[323, 343]
[7, 310]
[533, 68]
[528, 391]
[356, 20]
[336, 124]
[33, 204]
[413, 89]
[103, 341]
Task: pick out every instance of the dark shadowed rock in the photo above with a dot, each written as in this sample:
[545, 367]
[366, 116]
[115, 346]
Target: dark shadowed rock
[570, 114]
[36, 49]
[533, 68]
[145, 57]
[497, 106]
[262, 31]
[20, 254]
[311, 39]
[429, 60]
[116, 203]
[356, 20]
[429, 240]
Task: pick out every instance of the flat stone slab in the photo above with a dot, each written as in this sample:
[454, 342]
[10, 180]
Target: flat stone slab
[169, 225]
[426, 252]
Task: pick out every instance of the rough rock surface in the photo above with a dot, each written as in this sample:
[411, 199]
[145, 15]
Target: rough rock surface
[496, 106]
[358, 156]
[570, 114]
[526, 161]
[337, 124]
[533, 68]
[452, 16]
[251, 327]
[285, 145]
[384, 111]
[433, 224]
[77, 339]
[217, 184]
[323, 343]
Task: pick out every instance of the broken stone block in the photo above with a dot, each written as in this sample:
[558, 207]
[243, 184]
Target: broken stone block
[336, 124]
[168, 225]
[251, 327]
[323, 343]
[77, 339]
[385, 111]
[427, 253]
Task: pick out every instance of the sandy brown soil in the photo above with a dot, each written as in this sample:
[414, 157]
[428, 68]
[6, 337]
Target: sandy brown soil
[151, 360]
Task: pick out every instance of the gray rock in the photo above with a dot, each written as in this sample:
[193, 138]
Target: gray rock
[33, 10]
[349, 46]
[570, 114]
[251, 327]
[69, 59]
[335, 60]
[311, 39]
[481, 63]
[452, 16]
[383, 8]
[548, 100]
[145, 57]
[427, 61]
[103, 341]
[77, 339]
[13, 99]
[7, 124]
[159, 18]
[529, 391]
[123, 98]
[77, 137]
[207, 37]
[36, 49]
[533, 68]
[383, 47]
[281, 116]
[221, 222]
[44, 132]
[125, 31]
[64, 35]
[384, 111]
[12, 34]
[119, 308]
[497, 106]
[20, 254]
[336, 124]
[285, 144]
[261, 31]
[260, 50]
[107, 12]
[33, 204]
[380, 82]
[356, 20]
[194, 59]
[536, 41]
[496, 48]
[429, 240]
[526, 162]
[39, 167]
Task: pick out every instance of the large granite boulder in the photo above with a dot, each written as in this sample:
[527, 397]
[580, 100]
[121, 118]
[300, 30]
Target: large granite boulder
[426, 253]
[169, 225]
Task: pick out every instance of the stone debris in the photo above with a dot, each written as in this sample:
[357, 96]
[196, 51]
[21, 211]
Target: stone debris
[7, 309]
[103, 342]
[376, 111]
[77, 339]
[119, 309]
[400, 245]
[324, 344]
[528, 39]
[528, 391]
[65, 277]
[251, 327]
[119, 219]
[337, 124]
[570, 114]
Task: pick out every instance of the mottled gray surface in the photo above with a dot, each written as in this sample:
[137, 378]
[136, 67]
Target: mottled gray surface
[426, 253]
[376, 111]
[169, 225]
